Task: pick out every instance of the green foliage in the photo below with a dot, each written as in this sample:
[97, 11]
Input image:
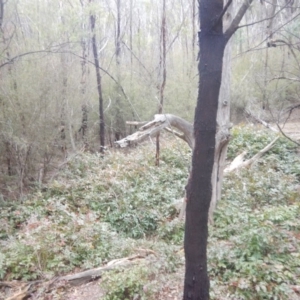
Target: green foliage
[254, 248]
[99, 209]
[252, 139]
[75, 240]
[90, 213]
[172, 232]
[126, 285]
[143, 281]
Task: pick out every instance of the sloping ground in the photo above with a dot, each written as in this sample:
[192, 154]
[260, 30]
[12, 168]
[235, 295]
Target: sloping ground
[292, 129]
[101, 209]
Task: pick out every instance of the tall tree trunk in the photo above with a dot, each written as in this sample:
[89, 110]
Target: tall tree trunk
[63, 112]
[98, 76]
[269, 35]
[209, 138]
[130, 36]
[119, 122]
[84, 107]
[1, 13]
[199, 188]
[194, 28]
[163, 69]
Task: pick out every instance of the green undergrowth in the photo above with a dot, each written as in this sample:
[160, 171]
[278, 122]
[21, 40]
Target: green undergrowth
[254, 244]
[98, 209]
[103, 208]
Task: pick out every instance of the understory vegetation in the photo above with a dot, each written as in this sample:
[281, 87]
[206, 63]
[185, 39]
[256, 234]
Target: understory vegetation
[101, 208]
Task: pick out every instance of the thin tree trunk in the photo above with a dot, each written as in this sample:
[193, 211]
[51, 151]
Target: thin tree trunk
[63, 100]
[84, 107]
[1, 13]
[98, 76]
[269, 34]
[119, 122]
[63, 113]
[194, 28]
[163, 54]
[130, 37]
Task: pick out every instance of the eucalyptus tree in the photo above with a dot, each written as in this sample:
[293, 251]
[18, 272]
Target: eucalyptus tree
[98, 77]
[211, 136]
[162, 71]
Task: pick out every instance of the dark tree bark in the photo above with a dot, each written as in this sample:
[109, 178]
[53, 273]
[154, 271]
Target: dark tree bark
[99, 87]
[199, 188]
[212, 41]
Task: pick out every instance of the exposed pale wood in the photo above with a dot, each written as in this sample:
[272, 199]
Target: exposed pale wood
[86, 276]
[165, 121]
[223, 117]
[20, 295]
[152, 128]
[136, 123]
[238, 162]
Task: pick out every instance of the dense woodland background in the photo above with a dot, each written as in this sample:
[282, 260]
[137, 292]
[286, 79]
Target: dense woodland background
[72, 73]
[147, 54]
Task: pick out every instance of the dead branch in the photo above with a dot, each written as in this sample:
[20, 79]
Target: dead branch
[286, 136]
[280, 128]
[267, 125]
[86, 276]
[236, 21]
[136, 123]
[152, 128]
[22, 294]
[239, 162]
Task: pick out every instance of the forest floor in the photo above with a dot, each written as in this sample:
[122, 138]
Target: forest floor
[93, 291]
[61, 290]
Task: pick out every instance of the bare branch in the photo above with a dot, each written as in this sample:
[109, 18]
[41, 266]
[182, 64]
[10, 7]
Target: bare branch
[255, 48]
[149, 73]
[286, 78]
[266, 19]
[277, 124]
[236, 21]
[286, 136]
[11, 60]
[267, 125]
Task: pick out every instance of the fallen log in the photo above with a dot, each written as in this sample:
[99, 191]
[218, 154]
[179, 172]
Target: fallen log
[152, 128]
[92, 274]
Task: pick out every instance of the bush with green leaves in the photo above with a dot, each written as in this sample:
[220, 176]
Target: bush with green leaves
[254, 248]
[102, 208]
[143, 280]
[90, 212]
[128, 285]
